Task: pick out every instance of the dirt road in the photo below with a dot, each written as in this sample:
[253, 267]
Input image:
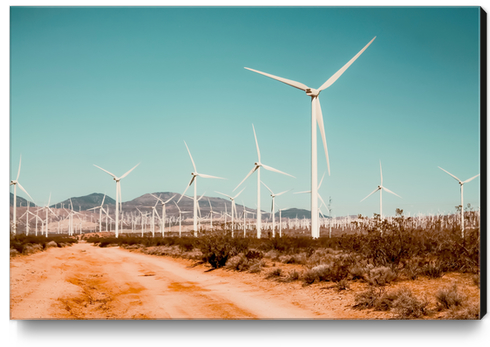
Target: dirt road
[87, 282]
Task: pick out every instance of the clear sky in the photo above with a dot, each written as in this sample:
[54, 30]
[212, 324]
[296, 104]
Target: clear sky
[120, 86]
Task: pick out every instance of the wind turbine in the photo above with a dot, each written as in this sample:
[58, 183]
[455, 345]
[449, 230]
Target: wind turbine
[100, 212]
[195, 174]
[257, 166]
[380, 188]
[211, 214]
[163, 211]
[461, 189]
[317, 232]
[118, 192]
[233, 207]
[316, 117]
[16, 183]
[272, 208]
[47, 217]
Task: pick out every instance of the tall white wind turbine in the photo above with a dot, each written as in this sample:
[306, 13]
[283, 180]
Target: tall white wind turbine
[257, 166]
[195, 174]
[461, 183]
[118, 192]
[100, 212]
[380, 188]
[16, 183]
[316, 117]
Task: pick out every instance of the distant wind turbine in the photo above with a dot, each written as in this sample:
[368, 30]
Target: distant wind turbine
[118, 193]
[316, 117]
[380, 188]
[257, 166]
[16, 183]
[195, 174]
[233, 207]
[163, 212]
[461, 189]
[272, 207]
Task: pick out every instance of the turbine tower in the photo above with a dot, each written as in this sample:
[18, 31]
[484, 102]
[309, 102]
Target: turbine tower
[273, 206]
[233, 207]
[16, 183]
[257, 166]
[316, 117]
[461, 189]
[380, 188]
[118, 193]
[195, 174]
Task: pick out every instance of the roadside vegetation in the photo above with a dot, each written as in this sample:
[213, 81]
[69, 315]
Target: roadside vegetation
[28, 244]
[379, 258]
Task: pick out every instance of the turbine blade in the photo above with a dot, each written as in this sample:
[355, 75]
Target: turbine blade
[192, 180]
[156, 197]
[321, 181]
[129, 171]
[339, 73]
[224, 194]
[381, 172]
[389, 191]
[193, 164]
[319, 119]
[170, 199]
[374, 191]
[239, 193]
[201, 196]
[103, 200]
[256, 143]
[18, 172]
[106, 171]
[267, 187]
[25, 191]
[470, 179]
[276, 170]
[457, 179]
[283, 192]
[251, 172]
[321, 199]
[303, 192]
[209, 176]
[291, 83]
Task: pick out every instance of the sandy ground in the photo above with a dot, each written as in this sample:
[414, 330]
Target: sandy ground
[88, 282]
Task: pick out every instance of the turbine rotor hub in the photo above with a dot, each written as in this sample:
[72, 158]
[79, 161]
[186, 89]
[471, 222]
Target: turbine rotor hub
[312, 92]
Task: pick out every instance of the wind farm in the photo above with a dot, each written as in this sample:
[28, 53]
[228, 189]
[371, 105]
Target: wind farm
[134, 96]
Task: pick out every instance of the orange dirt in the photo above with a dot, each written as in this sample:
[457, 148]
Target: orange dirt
[88, 282]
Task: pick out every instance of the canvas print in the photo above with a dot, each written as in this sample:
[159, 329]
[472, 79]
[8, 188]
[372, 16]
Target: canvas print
[318, 163]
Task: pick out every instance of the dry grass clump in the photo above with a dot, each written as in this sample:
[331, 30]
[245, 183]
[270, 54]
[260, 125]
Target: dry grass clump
[449, 297]
[466, 312]
[342, 285]
[380, 276]
[299, 258]
[241, 262]
[433, 269]
[401, 302]
[274, 273]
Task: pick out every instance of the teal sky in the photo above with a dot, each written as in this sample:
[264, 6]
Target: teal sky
[119, 86]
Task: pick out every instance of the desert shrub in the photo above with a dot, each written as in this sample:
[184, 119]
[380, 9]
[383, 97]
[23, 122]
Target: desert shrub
[432, 269]
[465, 312]
[237, 263]
[449, 297]
[380, 276]
[407, 306]
[256, 266]
[343, 284]
[411, 270]
[14, 252]
[217, 248]
[274, 273]
[293, 258]
[367, 299]
[358, 271]
[254, 254]
[293, 275]
[272, 254]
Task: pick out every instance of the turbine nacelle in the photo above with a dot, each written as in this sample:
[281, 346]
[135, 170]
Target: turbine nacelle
[312, 92]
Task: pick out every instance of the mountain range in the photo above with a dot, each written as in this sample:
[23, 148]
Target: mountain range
[146, 202]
